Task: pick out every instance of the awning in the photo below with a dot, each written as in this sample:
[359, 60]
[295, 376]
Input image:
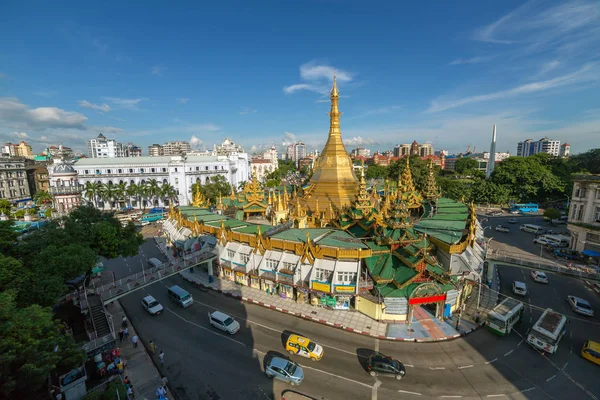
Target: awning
[591, 253]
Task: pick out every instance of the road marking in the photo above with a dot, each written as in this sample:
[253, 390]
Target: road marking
[509, 353]
[527, 390]
[496, 395]
[407, 392]
[564, 366]
[552, 377]
[491, 361]
[521, 342]
[206, 329]
[466, 366]
[409, 365]
[374, 390]
[571, 334]
[451, 397]
[337, 376]
[436, 368]
[377, 345]
[530, 319]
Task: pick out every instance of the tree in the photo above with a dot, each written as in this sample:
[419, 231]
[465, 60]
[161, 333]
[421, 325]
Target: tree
[5, 207]
[42, 198]
[107, 193]
[168, 192]
[375, 172]
[586, 162]
[218, 186]
[32, 346]
[91, 192]
[455, 189]
[551, 213]
[419, 169]
[153, 190]
[8, 237]
[486, 192]
[466, 166]
[120, 193]
[527, 179]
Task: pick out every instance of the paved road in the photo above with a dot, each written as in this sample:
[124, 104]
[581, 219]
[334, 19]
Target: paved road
[204, 364]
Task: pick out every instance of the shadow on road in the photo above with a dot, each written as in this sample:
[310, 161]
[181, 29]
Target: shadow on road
[362, 354]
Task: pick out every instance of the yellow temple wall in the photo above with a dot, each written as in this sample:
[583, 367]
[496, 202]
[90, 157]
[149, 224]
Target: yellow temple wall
[376, 311]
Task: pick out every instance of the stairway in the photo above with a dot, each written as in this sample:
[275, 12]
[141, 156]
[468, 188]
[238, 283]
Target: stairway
[100, 320]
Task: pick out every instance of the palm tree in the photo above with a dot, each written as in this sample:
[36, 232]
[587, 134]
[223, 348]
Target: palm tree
[168, 192]
[92, 191]
[132, 190]
[153, 190]
[141, 192]
[108, 193]
[42, 197]
[120, 190]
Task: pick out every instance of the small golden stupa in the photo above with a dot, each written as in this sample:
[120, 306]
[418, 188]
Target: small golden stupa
[333, 181]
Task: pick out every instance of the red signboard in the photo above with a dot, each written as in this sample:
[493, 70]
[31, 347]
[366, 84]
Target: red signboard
[430, 299]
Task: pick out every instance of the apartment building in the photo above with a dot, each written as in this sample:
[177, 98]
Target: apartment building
[584, 213]
[14, 183]
[529, 147]
[17, 150]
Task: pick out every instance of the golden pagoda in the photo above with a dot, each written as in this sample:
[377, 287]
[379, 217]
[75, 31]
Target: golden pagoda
[406, 188]
[431, 191]
[333, 180]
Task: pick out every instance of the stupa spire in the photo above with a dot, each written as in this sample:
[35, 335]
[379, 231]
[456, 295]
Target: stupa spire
[334, 114]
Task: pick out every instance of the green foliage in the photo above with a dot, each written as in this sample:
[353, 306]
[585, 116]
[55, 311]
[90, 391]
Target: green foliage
[8, 237]
[20, 213]
[376, 172]
[456, 189]
[218, 185]
[586, 162]
[42, 197]
[527, 179]
[419, 169]
[109, 392]
[31, 211]
[32, 346]
[483, 191]
[551, 213]
[5, 207]
[466, 166]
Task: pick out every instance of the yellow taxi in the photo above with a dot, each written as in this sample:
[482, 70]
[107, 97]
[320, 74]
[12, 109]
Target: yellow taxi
[304, 347]
[591, 351]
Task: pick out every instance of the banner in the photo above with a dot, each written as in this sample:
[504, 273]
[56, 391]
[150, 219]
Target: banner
[321, 287]
[345, 289]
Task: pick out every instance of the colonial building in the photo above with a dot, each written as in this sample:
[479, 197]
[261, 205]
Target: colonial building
[264, 164]
[389, 254]
[17, 150]
[179, 172]
[65, 187]
[101, 147]
[584, 213]
[14, 182]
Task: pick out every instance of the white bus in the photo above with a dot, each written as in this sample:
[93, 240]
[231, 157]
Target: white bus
[504, 316]
[547, 331]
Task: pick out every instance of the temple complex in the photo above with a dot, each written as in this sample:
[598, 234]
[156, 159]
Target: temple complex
[337, 244]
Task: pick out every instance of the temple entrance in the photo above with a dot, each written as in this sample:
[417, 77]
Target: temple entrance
[426, 302]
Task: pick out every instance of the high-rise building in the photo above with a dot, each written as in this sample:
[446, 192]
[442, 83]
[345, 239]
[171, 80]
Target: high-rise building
[176, 148]
[155, 150]
[296, 152]
[18, 150]
[565, 150]
[133, 150]
[423, 150]
[360, 152]
[101, 147]
[544, 145]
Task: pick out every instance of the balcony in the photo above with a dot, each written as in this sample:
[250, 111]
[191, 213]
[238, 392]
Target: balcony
[58, 190]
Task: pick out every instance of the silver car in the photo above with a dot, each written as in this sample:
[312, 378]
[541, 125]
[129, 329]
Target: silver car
[285, 370]
[580, 306]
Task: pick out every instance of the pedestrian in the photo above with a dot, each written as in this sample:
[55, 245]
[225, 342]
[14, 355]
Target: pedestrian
[161, 392]
[121, 333]
[130, 391]
[165, 381]
[152, 348]
[126, 333]
[477, 317]
[124, 322]
[161, 357]
[126, 380]
[134, 339]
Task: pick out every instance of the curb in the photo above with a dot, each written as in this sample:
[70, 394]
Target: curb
[324, 322]
[593, 287]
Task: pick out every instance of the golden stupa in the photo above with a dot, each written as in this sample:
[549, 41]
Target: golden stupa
[333, 181]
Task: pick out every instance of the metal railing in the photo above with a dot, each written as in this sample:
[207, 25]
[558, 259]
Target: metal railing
[544, 265]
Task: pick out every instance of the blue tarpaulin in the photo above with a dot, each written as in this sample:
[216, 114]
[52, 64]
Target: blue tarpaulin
[591, 253]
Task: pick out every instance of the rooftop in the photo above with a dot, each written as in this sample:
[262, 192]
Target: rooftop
[447, 223]
[141, 160]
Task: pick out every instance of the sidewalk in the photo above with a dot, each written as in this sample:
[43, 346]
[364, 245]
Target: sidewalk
[424, 327]
[141, 370]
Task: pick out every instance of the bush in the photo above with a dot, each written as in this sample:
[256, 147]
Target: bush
[109, 392]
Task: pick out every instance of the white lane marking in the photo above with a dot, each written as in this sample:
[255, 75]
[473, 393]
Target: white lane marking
[520, 342]
[436, 368]
[269, 328]
[564, 366]
[451, 397]
[374, 390]
[530, 319]
[409, 365]
[552, 377]
[337, 376]
[527, 390]
[407, 392]
[571, 334]
[206, 329]
[491, 361]
[466, 366]
[496, 395]
[509, 353]
[377, 345]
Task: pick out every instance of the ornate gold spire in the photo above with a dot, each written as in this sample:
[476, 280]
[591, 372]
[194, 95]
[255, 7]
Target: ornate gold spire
[232, 195]
[333, 178]
[431, 189]
[279, 203]
[363, 201]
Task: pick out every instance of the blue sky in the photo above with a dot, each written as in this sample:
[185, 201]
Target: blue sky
[259, 72]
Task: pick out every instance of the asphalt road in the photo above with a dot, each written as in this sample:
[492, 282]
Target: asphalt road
[202, 363]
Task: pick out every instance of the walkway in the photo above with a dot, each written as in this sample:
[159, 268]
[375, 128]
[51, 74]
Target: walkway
[141, 370]
[425, 330]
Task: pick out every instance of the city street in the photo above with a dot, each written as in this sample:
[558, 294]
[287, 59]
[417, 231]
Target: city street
[202, 363]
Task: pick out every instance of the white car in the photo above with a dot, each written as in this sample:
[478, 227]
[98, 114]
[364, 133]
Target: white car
[539, 276]
[542, 240]
[223, 322]
[580, 306]
[519, 288]
[501, 228]
[151, 305]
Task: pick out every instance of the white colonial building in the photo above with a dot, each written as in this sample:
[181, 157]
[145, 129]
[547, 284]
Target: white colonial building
[181, 172]
[262, 166]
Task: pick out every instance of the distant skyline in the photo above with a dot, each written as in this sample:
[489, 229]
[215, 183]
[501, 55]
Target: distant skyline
[260, 74]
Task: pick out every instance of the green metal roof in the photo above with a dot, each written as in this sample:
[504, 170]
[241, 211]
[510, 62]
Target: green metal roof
[403, 274]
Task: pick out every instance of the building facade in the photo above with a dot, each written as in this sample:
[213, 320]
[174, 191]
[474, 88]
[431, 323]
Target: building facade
[18, 150]
[133, 150]
[177, 171]
[584, 213]
[14, 182]
[101, 147]
[176, 148]
[360, 152]
[296, 152]
[544, 145]
[565, 150]
[155, 150]
[65, 187]
[425, 149]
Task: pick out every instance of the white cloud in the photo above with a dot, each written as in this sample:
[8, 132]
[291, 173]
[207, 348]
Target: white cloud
[98, 107]
[288, 138]
[473, 60]
[21, 135]
[43, 137]
[158, 70]
[130, 104]
[45, 93]
[13, 113]
[590, 72]
[318, 78]
[359, 141]
[247, 110]
[182, 100]
[547, 67]
[195, 142]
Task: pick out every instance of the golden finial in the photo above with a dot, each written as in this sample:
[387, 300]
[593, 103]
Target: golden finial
[232, 196]
[334, 89]
[279, 204]
[269, 198]
[195, 219]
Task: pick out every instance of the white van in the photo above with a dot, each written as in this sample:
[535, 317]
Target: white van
[558, 240]
[532, 228]
[180, 296]
[154, 263]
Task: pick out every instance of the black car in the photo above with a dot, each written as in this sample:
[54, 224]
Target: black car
[378, 364]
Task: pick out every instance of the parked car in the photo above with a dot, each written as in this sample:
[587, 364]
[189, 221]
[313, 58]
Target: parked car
[284, 370]
[519, 288]
[580, 306]
[223, 322]
[495, 213]
[152, 305]
[515, 212]
[501, 228]
[539, 276]
[566, 253]
[512, 221]
[379, 364]
[542, 240]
